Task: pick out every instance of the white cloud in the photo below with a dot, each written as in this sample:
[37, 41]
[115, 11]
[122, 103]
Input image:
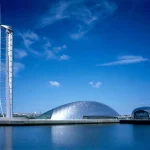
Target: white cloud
[79, 12]
[45, 48]
[50, 55]
[95, 85]
[109, 6]
[59, 48]
[81, 32]
[2, 69]
[19, 53]
[64, 46]
[47, 45]
[29, 38]
[55, 13]
[78, 35]
[30, 35]
[127, 59]
[64, 57]
[27, 42]
[87, 17]
[17, 67]
[53, 52]
[54, 83]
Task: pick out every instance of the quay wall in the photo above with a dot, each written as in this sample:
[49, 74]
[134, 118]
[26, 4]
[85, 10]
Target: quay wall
[25, 122]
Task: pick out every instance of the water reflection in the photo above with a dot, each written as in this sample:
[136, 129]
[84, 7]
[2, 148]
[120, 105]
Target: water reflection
[124, 133]
[76, 137]
[141, 135]
[6, 138]
[82, 136]
[66, 135]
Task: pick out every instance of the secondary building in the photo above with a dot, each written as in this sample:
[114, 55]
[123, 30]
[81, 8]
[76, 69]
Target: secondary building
[141, 113]
[80, 110]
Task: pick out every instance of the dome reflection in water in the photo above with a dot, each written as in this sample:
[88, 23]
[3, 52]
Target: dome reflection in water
[76, 137]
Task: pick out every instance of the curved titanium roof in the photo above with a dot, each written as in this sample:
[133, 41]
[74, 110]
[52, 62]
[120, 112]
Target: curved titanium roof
[77, 110]
[141, 108]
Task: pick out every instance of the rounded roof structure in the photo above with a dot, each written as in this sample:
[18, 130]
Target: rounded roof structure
[147, 109]
[77, 110]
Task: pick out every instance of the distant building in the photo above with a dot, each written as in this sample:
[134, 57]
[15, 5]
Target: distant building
[80, 110]
[141, 113]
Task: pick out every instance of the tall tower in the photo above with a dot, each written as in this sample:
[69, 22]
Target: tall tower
[6, 65]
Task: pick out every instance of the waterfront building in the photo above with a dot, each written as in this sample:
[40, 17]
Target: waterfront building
[141, 113]
[80, 110]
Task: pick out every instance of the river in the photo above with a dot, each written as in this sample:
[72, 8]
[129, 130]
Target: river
[76, 137]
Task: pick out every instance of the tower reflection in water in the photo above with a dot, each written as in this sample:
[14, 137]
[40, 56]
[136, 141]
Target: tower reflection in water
[6, 138]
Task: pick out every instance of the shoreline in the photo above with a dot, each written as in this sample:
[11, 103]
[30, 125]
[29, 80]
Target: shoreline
[40, 122]
[34, 122]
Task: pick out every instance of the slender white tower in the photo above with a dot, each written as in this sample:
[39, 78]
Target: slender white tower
[9, 71]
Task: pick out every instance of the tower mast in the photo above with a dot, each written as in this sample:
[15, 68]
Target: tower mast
[9, 71]
[1, 67]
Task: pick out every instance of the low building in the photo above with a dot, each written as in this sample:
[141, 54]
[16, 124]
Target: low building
[141, 113]
[80, 110]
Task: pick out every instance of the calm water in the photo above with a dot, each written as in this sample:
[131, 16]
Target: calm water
[76, 137]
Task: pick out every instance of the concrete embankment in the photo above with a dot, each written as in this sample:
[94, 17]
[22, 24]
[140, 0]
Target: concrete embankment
[135, 121]
[27, 122]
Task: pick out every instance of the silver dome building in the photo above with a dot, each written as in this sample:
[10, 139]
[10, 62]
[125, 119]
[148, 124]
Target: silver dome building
[141, 113]
[80, 110]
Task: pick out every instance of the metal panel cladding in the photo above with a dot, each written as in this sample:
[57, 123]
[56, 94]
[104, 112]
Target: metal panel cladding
[146, 109]
[77, 110]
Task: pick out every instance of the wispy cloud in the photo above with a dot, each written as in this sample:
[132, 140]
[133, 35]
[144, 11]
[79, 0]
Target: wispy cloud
[29, 38]
[47, 45]
[17, 67]
[54, 83]
[87, 16]
[19, 53]
[81, 32]
[95, 84]
[2, 68]
[30, 35]
[127, 59]
[59, 48]
[55, 13]
[43, 46]
[76, 36]
[83, 15]
[64, 57]
[50, 54]
[53, 52]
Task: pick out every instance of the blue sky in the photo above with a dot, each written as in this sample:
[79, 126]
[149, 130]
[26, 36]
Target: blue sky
[77, 50]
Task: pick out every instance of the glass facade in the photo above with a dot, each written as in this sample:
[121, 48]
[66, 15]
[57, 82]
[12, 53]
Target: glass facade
[77, 110]
[141, 113]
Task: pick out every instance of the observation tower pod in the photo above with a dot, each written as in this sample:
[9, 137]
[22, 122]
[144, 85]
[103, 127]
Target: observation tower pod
[6, 69]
